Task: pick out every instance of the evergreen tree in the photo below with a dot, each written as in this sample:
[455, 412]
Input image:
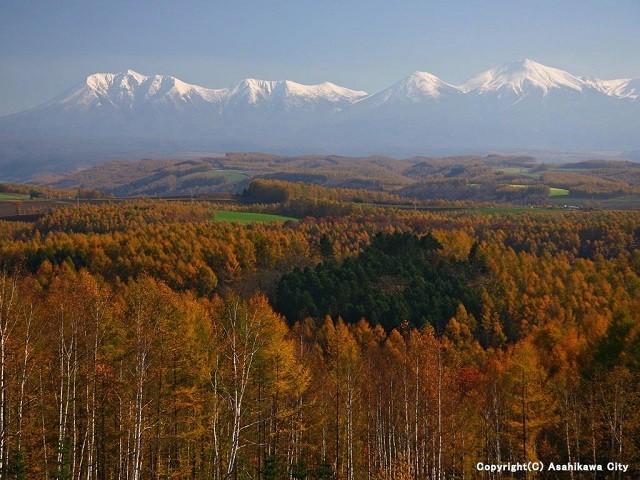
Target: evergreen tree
[16, 470]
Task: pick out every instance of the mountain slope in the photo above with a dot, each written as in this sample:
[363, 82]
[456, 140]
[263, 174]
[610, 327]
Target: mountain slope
[521, 104]
[522, 78]
[108, 104]
[417, 88]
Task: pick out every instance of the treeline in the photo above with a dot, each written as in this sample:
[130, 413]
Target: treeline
[151, 177]
[37, 191]
[459, 188]
[87, 218]
[302, 199]
[593, 183]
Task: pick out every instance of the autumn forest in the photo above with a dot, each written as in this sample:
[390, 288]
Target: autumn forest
[361, 339]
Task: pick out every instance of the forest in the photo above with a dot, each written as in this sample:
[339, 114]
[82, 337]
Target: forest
[146, 339]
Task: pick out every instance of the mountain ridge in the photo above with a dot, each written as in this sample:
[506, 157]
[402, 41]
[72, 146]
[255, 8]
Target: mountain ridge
[512, 75]
[522, 104]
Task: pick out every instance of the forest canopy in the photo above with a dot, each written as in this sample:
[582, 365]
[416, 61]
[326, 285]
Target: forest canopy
[143, 339]
[397, 278]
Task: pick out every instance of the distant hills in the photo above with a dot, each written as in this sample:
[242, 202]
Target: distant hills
[520, 105]
[512, 179]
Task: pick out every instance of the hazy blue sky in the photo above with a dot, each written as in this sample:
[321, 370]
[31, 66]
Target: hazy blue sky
[48, 46]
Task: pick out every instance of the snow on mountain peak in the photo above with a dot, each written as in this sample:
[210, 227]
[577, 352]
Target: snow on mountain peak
[419, 85]
[526, 64]
[627, 88]
[420, 111]
[102, 83]
[521, 76]
[131, 91]
[133, 73]
[326, 90]
[251, 89]
[416, 88]
[288, 93]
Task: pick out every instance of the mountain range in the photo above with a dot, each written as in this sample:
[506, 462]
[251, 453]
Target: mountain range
[520, 105]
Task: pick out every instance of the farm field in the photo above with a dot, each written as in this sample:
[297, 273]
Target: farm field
[249, 217]
[228, 175]
[13, 196]
[558, 192]
[520, 171]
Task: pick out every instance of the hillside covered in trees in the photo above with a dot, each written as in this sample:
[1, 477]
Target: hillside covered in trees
[364, 340]
[515, 179]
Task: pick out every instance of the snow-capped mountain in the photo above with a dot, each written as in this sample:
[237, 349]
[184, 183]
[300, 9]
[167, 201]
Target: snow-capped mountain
[627, 88]
[129, 103]
[416, 88]
[522, 78]
[521, 104]
[131, 91]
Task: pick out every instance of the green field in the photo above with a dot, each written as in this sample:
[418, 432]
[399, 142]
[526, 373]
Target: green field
[13, 196]
[523, 171]
[553, 191]
[229, 175]
[249, 217]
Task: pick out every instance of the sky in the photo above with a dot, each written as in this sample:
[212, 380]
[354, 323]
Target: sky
[47, 47]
